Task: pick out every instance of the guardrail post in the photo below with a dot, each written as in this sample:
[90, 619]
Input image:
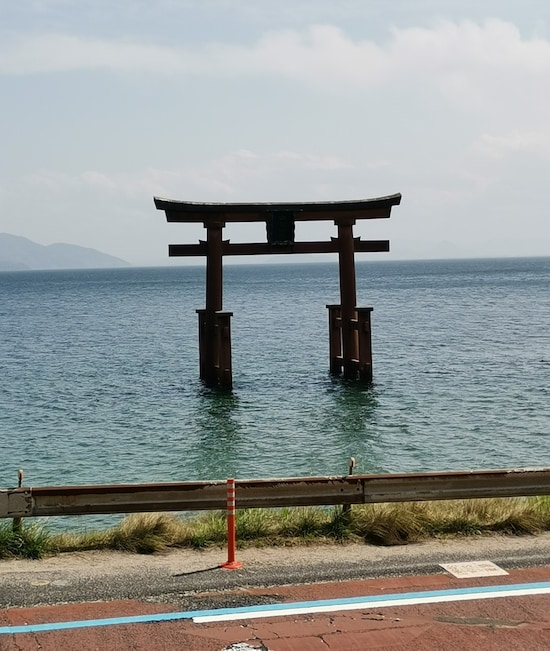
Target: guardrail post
[346, 508]
[17, 522]
[231, 563]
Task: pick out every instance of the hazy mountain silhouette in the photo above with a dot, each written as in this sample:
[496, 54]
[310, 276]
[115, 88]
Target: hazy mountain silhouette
[19, 253]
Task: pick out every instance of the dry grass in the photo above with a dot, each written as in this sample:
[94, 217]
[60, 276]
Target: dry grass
[377, 524]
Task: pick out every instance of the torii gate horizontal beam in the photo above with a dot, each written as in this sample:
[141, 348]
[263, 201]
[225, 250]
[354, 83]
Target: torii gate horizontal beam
[191, 211]
[201, 249]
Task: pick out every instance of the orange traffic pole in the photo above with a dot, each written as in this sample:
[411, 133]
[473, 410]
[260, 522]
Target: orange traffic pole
[231, 563]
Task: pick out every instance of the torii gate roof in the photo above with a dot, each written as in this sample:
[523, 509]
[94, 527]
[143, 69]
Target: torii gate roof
[191, 211]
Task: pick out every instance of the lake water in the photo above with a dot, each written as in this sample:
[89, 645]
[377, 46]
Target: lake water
[99, 379]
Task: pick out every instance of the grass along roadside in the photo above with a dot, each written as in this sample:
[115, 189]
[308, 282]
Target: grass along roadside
[376, 524]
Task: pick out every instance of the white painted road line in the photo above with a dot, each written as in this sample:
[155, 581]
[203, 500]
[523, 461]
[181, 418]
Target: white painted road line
[357, 603]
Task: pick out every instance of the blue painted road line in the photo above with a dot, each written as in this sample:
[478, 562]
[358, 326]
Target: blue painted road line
[277, 610]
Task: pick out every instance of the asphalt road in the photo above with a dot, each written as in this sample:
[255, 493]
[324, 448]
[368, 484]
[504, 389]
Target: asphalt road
[194, 580]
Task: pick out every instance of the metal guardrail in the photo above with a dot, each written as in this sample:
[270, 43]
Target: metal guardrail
[273, 493]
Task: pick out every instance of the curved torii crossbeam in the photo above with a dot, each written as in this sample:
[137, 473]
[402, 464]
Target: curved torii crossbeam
[350, 340]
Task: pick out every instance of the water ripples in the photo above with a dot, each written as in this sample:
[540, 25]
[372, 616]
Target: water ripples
[99, 381]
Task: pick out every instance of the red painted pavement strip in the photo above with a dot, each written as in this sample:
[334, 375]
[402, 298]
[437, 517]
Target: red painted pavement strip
[141, 638]
[80, 611]
[430, 626]
[503, 623]
[316, 591]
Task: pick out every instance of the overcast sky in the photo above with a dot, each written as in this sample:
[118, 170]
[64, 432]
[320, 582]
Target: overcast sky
[105, 104]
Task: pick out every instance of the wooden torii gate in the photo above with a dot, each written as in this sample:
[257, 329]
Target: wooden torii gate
[349, 325]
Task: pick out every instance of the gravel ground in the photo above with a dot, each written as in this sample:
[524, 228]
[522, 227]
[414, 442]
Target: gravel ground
[193, 579]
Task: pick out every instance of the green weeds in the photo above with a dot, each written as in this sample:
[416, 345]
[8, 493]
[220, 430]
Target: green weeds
[27, 542]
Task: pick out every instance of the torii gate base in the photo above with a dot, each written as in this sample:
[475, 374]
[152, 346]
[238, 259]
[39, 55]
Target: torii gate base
[215, 349]
[351, 369]
[349, 325]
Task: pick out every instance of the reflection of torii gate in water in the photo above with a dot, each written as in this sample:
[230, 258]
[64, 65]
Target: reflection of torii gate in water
[349, 325]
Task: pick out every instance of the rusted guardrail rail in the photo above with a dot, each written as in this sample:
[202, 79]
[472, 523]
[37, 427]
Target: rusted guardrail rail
[272, 493]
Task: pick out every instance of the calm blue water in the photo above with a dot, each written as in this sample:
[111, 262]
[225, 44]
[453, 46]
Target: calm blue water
[99, 379]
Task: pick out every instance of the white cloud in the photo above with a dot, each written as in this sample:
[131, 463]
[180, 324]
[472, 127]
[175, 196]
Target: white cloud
[65, 53]
[320, 54]
[101, 208]
[311, 161]
[222, 178]
[484, 69]
[98, 183]
[514, 142]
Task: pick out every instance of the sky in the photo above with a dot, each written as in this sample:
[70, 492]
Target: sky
[106, 104]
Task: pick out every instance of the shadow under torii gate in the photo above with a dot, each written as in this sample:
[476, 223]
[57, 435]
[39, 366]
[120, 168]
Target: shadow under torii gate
[349, 325]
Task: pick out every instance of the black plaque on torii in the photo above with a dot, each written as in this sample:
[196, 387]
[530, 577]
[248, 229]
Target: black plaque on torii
[349, 325]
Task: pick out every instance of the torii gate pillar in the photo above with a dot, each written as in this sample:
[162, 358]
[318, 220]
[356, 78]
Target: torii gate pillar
[214, 323]
[348, 301]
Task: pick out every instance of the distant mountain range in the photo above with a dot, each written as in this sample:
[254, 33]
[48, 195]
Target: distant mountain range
[19, 253]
